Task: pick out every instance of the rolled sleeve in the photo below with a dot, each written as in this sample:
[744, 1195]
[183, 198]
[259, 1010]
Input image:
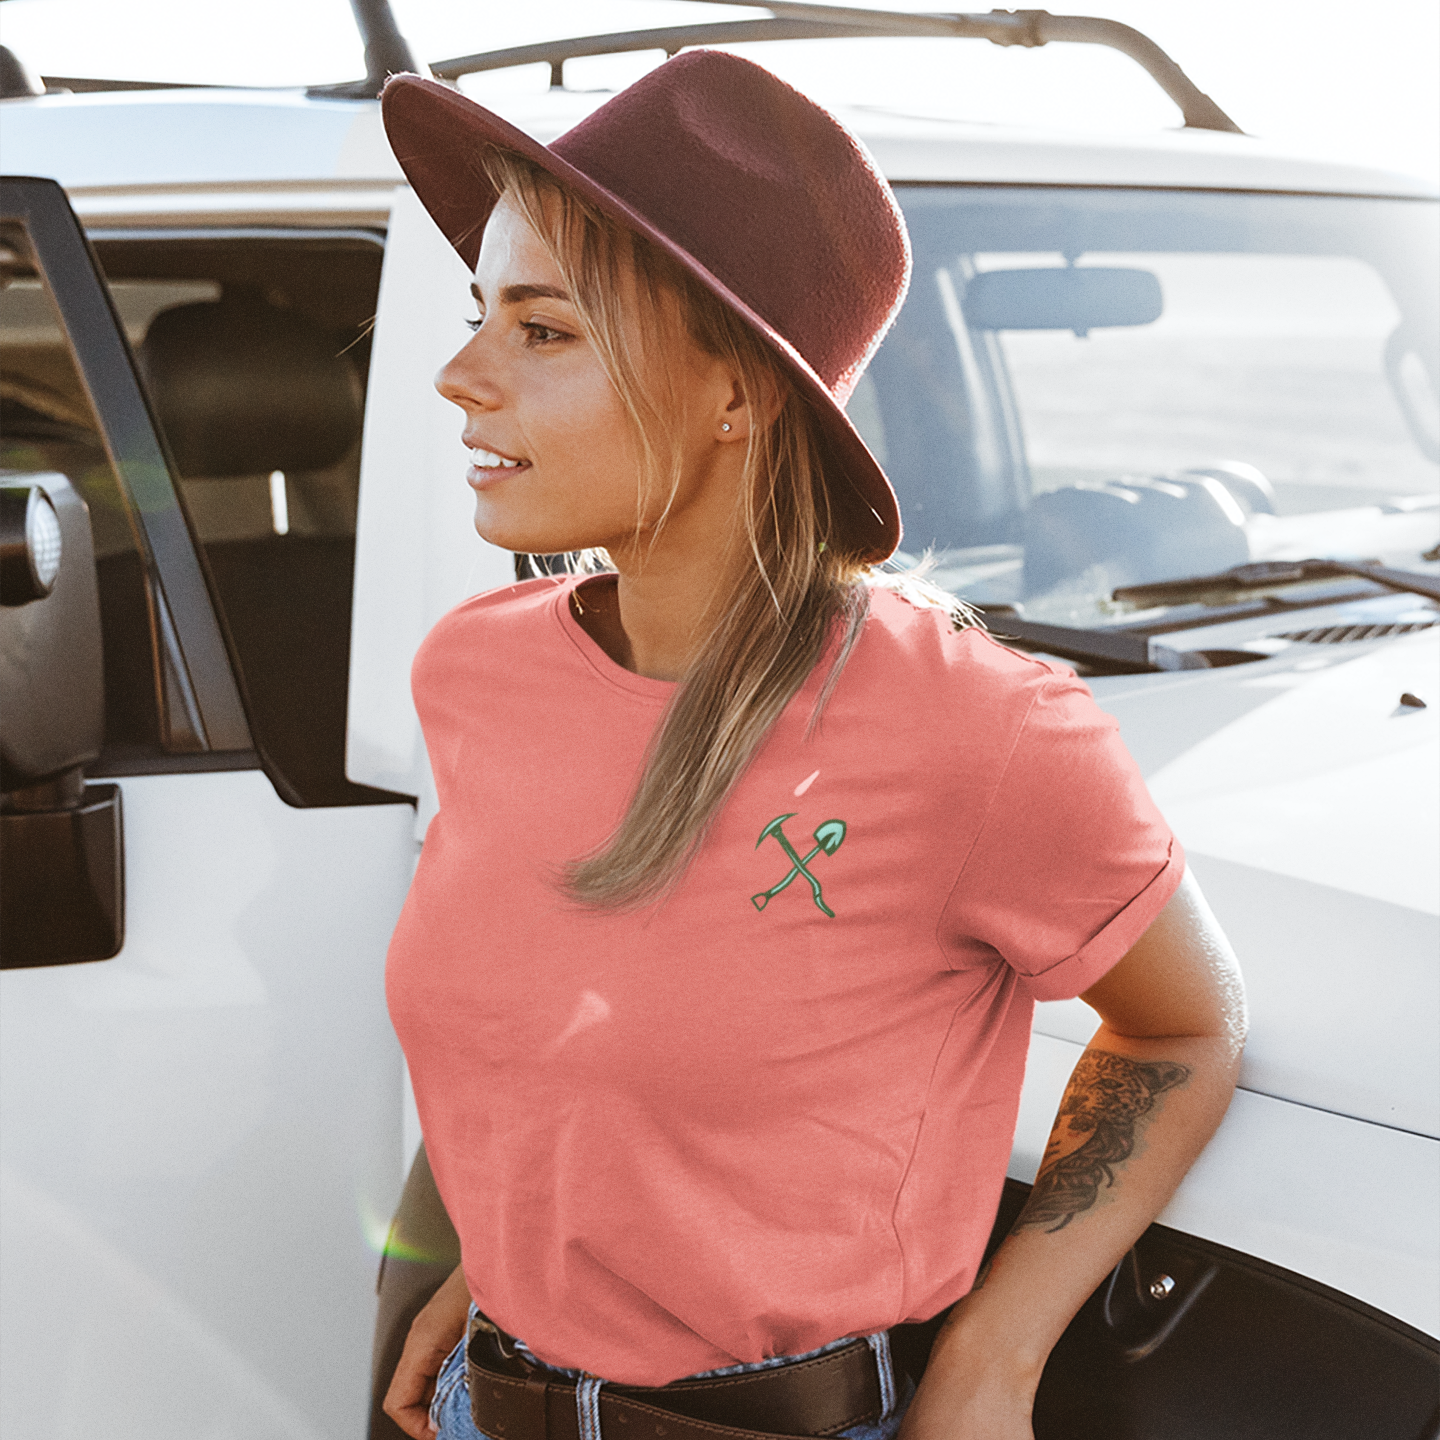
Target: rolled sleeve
[1073, 860]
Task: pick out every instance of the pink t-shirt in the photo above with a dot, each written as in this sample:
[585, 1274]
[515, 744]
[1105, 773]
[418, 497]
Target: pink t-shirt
[759, 1115]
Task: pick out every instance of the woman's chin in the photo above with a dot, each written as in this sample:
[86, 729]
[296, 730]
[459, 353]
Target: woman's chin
[522, 539]
[532, 534]
[497, 528]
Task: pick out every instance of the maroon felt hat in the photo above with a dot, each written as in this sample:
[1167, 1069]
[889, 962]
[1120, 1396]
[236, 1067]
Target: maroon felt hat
[759, 193]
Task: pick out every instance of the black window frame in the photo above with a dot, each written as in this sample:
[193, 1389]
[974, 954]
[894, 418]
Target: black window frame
[204, 719]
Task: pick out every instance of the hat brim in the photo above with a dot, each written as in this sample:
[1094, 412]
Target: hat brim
[437, 135]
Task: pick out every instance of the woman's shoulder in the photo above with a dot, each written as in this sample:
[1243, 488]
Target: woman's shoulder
[926, 644]
[954, 686]
[491, 626]
[520, 606]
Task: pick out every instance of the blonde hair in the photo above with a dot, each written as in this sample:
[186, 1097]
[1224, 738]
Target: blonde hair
[803, 585]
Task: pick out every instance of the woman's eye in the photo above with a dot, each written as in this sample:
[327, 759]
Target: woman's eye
[535, 332]
[538, 334]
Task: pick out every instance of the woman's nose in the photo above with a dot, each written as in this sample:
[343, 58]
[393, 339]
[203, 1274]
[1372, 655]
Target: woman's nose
[465, 380]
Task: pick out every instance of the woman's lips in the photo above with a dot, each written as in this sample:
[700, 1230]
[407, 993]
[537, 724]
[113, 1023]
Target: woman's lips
[488, 466]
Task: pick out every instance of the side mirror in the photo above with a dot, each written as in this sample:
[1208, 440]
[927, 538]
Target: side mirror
[61, 851]
[1094, 298]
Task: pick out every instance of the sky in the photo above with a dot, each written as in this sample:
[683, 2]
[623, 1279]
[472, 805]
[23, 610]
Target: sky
[1348, 82]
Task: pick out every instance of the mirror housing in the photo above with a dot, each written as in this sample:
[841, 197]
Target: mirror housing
[61, 853]
[1081, 300]
[51, 669]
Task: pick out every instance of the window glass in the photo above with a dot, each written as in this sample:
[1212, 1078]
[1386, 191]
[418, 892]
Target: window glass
[1277, 360]
[1089, 388]
[254, 350]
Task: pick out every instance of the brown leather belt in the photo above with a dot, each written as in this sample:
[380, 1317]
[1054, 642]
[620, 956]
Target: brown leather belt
[511, 1399]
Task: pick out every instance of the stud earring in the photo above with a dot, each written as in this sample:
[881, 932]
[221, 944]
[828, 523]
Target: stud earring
[725, 425]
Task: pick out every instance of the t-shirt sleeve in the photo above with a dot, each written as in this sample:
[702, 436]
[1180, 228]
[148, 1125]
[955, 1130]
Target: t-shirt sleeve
[1073, 859]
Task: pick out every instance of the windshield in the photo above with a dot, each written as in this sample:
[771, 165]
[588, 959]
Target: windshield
[1094, 388]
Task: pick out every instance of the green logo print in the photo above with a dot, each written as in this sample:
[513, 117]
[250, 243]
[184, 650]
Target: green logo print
[828, 838]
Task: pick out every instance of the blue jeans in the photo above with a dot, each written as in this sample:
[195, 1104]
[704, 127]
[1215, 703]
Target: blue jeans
[450, 1409]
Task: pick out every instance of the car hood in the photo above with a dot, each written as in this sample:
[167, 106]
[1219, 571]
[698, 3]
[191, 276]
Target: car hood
[1307, 798]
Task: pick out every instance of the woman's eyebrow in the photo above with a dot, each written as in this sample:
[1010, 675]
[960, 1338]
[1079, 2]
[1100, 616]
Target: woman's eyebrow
[518, 294]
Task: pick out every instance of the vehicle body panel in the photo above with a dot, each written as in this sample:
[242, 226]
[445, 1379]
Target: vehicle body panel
[1311, 819]
[202, 1136]
[1342, 1201]
[269, 138]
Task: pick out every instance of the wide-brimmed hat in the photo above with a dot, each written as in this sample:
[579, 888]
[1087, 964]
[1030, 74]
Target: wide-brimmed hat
[764, 197]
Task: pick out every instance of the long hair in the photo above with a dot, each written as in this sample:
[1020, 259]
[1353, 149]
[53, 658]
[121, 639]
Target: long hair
[801, 585]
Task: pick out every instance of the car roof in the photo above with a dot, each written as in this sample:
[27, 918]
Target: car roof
[207, 137]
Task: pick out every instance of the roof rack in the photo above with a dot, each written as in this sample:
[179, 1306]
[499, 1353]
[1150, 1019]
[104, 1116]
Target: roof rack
[386, 50]
[1029, 28]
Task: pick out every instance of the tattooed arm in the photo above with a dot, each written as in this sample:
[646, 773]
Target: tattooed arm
[1108, 1102]
[1143, 1100]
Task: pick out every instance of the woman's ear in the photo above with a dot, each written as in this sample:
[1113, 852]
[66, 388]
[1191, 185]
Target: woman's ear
[762, 408]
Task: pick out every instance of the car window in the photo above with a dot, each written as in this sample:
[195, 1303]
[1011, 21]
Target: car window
[1276, 360]
[1093, 388]
[254, 350]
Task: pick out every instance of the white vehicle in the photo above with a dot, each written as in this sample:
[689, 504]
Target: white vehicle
[1164, 408]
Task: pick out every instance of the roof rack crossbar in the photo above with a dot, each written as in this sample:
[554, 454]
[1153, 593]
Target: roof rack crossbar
[670, 38]
[816, 22]
[387, 53]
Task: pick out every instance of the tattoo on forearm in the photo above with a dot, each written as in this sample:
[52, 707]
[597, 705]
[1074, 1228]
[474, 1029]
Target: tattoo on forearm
[1110, 1098]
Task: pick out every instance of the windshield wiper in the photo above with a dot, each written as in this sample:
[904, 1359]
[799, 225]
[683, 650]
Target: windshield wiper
[1135, 650]
[1128, 651]
[1263, 574]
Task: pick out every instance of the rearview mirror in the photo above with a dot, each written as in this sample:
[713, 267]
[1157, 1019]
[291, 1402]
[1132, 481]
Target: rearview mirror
[1068, 299]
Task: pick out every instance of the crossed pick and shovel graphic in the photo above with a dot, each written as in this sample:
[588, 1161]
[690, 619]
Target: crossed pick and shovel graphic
[828, 838]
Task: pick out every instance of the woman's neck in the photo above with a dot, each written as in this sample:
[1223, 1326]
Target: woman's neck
[653, 618]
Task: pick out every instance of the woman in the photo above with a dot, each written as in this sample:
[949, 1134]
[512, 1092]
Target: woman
[716, 977]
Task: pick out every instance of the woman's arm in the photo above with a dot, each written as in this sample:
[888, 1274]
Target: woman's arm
[435, 1332]
[1143, 1100]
